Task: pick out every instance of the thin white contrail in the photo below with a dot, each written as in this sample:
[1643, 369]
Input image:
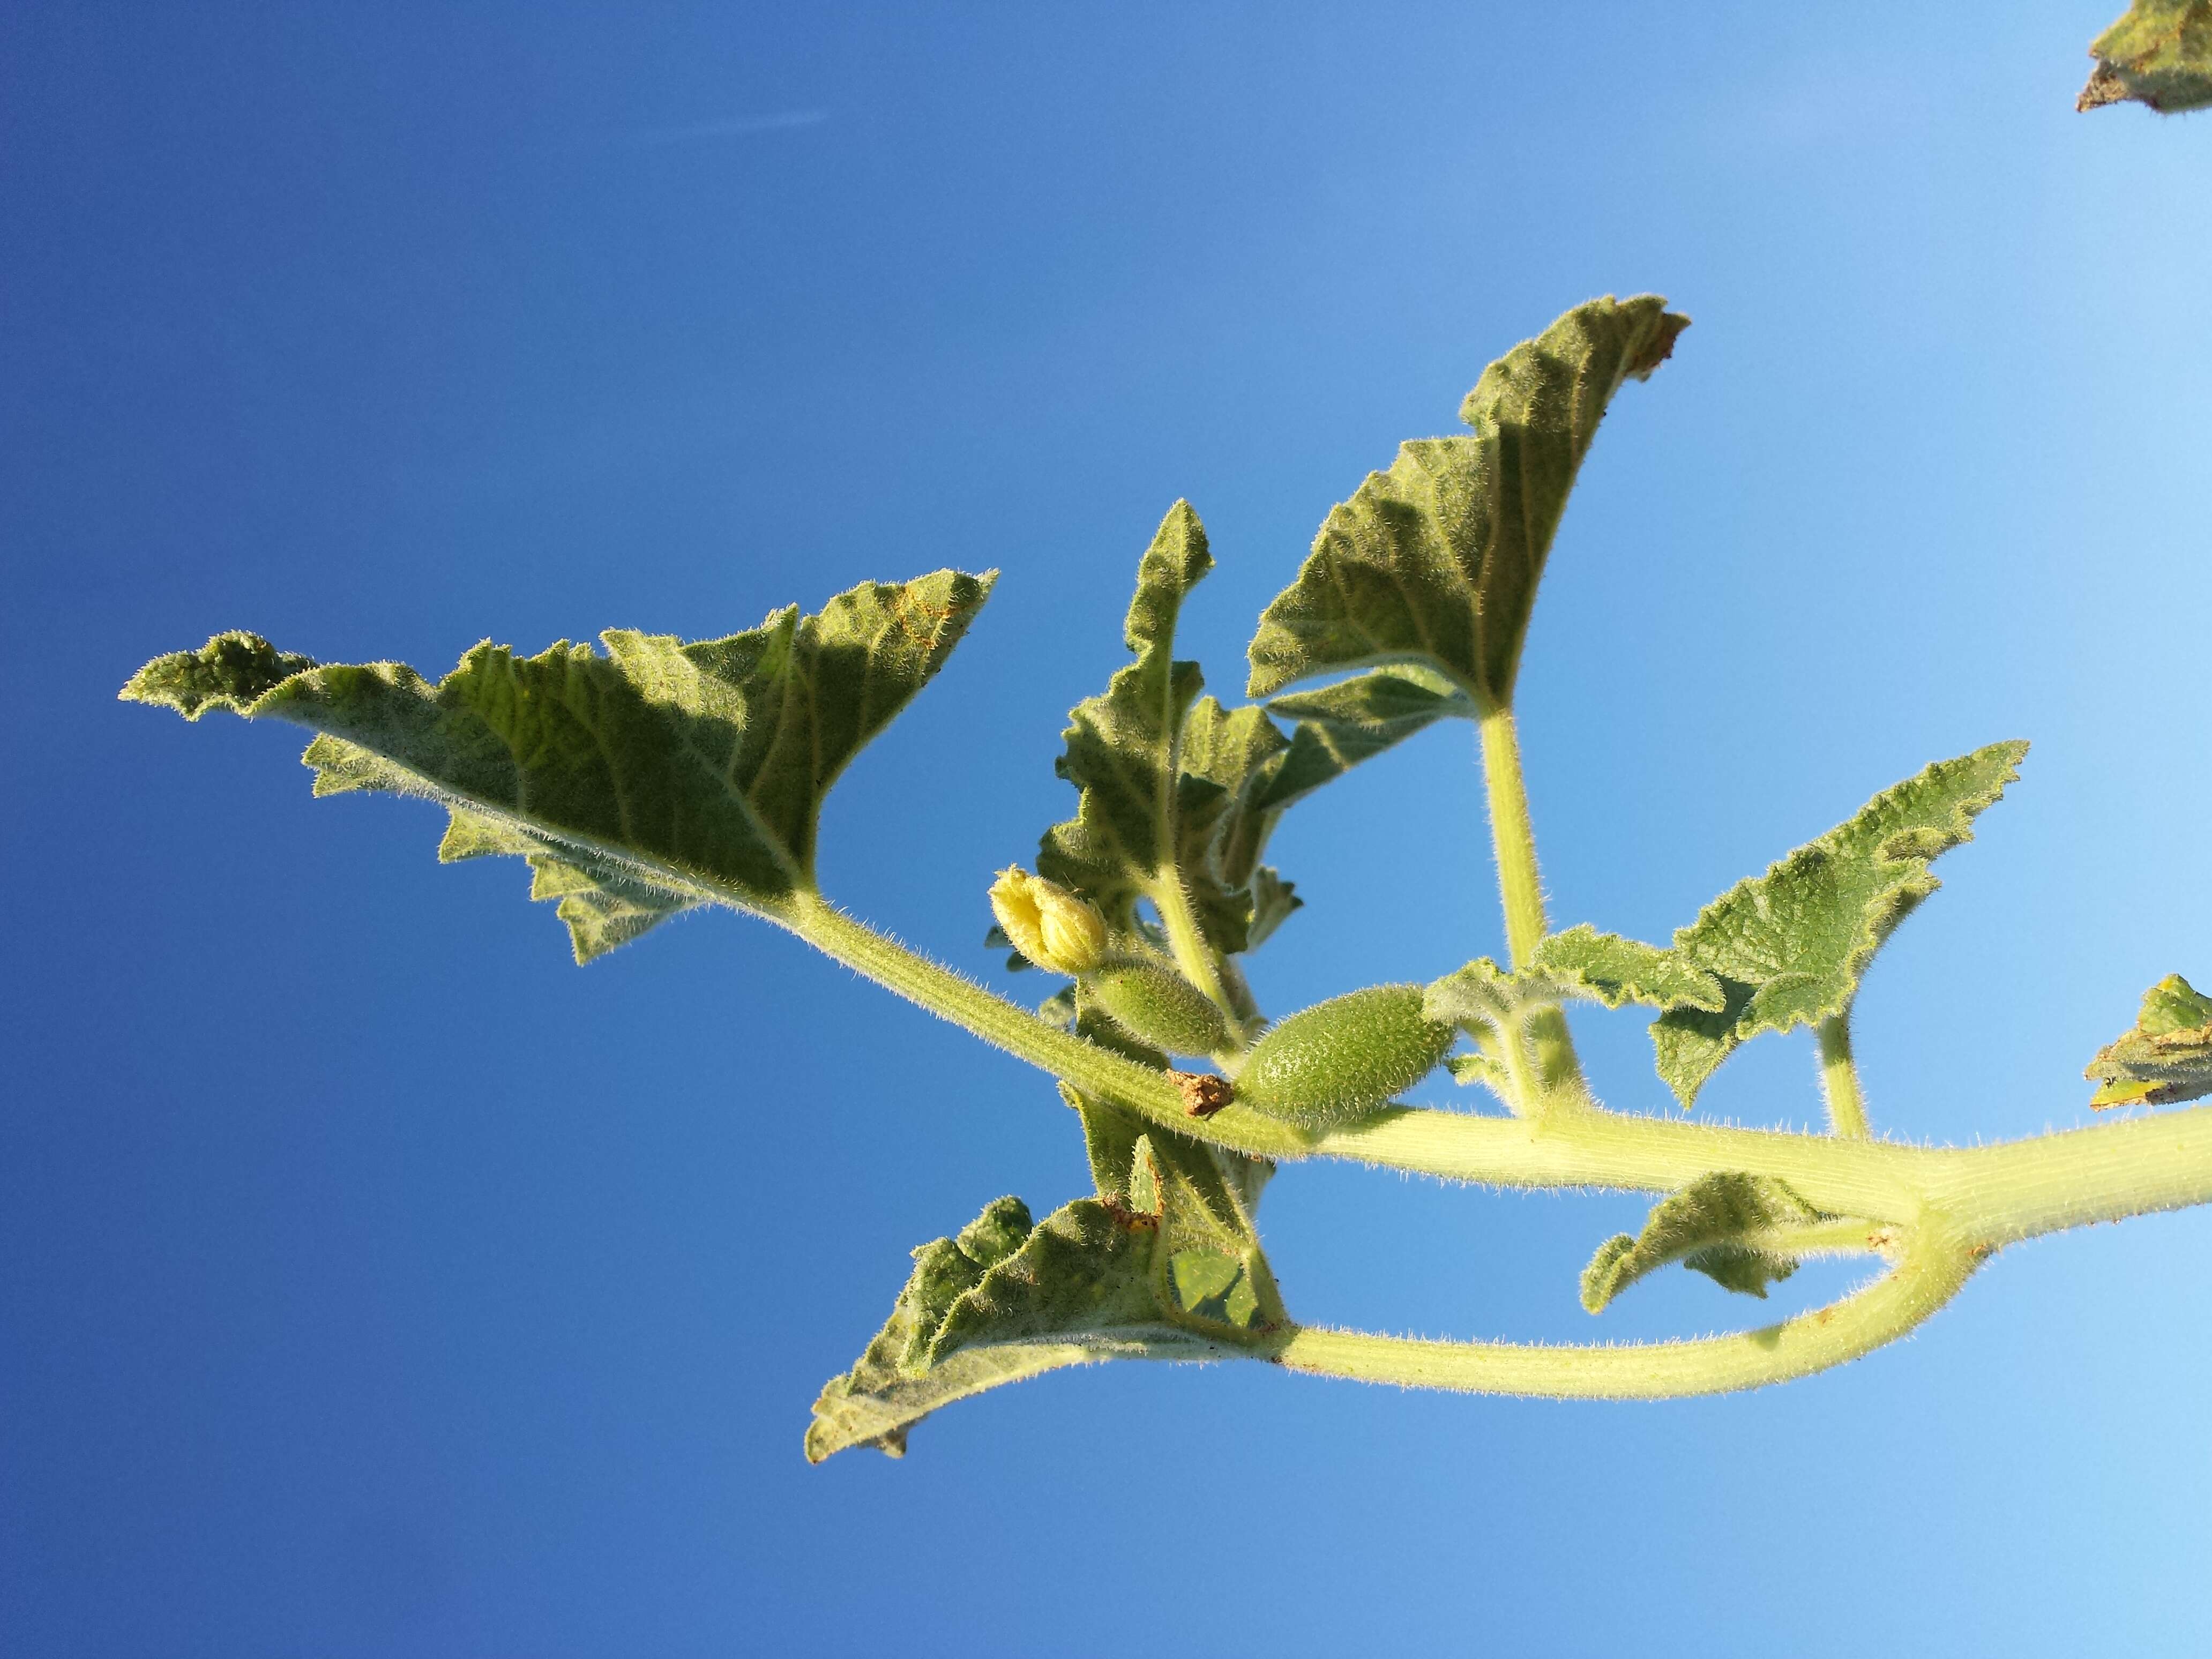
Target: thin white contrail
[731, 126]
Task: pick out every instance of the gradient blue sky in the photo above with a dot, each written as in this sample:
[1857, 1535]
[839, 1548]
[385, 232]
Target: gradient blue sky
[373, 1281]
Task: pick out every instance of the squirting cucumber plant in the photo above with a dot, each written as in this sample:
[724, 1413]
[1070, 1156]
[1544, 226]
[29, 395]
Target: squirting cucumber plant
[661, 776]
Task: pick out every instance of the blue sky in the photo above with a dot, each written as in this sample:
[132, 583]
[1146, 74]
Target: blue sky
[374, 1281]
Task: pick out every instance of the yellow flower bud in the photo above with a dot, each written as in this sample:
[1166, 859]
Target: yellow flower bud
[1046, 923]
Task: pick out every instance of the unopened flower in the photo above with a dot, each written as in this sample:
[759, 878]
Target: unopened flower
[1046, 923]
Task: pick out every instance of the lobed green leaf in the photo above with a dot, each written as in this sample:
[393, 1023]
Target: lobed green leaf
[659, 776]
[983, 1309]
[1163, 1265]
[1580, 964]
[2166, 1059]
[1726, 1225]
[1178, 791]
[1437, 561]
[2159, 54]
[1788, 948]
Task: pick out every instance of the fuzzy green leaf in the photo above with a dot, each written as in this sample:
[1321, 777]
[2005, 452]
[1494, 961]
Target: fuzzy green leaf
[2159, 54]
[657, 776]
[1178, 790]
[1003, 1302]
[1789, 947]
[1733, 1228]
[1581, 962]
[2166, 1059]
[1578, 964]
[1482, 995]
[1227, 758]
[1120, 750]
[1436, 561]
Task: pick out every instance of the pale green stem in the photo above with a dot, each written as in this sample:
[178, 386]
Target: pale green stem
[1934, 1264]
[1521, 889]
[956, 998]
[1514, 837]
[1839, 1077]
[1996, 1193]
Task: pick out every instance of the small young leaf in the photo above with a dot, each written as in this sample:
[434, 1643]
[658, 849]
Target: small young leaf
[2160, 54]
[1581, 962]
[1477, 996]
[996, 938]
[2166, 1059]
[1725, 1225]
[1789, 947]
[1273, 901]
[1436, 561]
[639, 783]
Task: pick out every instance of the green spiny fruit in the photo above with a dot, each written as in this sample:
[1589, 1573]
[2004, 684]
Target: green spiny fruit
[1342, 1058]
[1150, 1001]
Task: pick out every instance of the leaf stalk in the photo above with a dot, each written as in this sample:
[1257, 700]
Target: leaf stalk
[1839, 1077]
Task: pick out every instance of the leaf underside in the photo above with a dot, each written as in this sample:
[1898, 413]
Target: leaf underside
[2166, 1059]
[2159, 54]
[1160, 1266]
[638, 784]
[1436, 561]
[1789, 947]
[1722, 1225]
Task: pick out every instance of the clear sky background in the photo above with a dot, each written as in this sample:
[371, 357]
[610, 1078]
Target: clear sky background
[373, 1281]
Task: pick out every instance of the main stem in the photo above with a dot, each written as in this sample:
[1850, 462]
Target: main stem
[1998, 1193]
[1521, 889]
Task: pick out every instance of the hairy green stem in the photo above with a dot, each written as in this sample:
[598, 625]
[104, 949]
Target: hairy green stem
[1519, 885]
[1839, 1077]
[1522, 890]
[954, 997]
[1995, 1194]
[1933, 1265]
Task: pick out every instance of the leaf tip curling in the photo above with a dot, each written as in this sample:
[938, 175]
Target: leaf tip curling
[232, 671]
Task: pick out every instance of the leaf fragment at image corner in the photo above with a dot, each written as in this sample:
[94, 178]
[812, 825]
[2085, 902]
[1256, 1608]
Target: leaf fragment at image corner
[2167, 1057]
[2159, 55]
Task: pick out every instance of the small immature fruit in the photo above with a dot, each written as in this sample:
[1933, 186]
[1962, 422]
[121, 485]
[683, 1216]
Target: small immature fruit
[1046, 923]
[1150, 1001]
[1343, 1058]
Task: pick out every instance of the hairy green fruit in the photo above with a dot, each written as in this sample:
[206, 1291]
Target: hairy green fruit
[1150, 1001]
[1344, 1057]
